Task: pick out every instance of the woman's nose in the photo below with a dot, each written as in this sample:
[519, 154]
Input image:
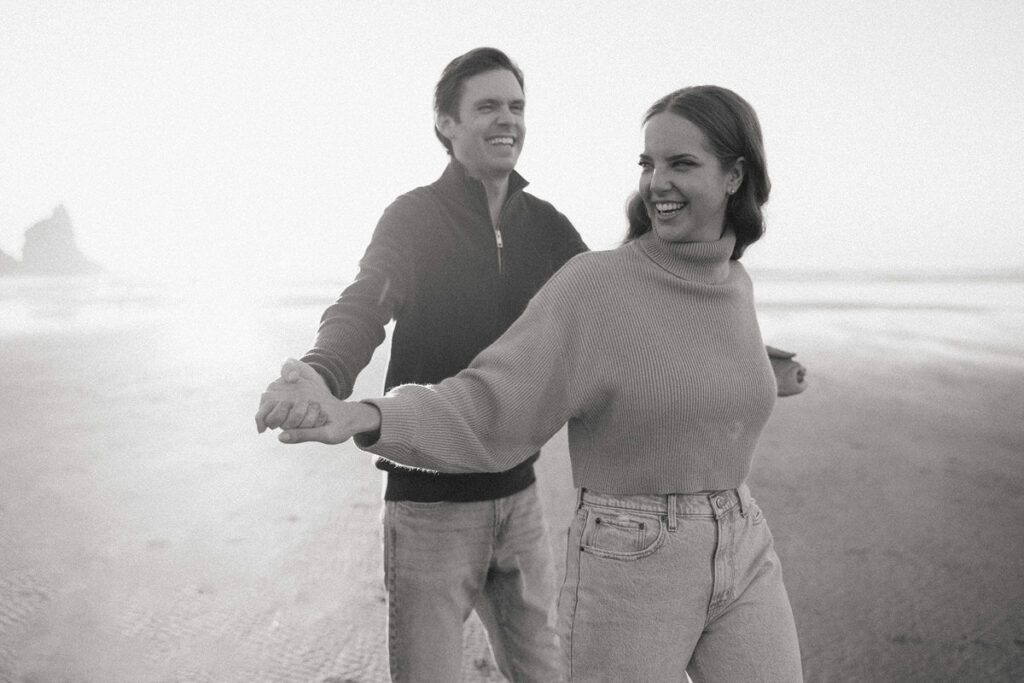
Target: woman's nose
[659, 181]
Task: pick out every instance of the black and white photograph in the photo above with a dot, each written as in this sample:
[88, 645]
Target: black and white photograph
[316, 368]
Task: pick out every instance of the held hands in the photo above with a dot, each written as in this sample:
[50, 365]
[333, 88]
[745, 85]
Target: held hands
[790, 375]
[301, 405]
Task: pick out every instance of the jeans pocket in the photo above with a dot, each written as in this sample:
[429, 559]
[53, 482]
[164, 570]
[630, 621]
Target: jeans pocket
[622, 535]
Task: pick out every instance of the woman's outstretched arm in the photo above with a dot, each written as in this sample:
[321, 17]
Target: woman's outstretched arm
[514, 396]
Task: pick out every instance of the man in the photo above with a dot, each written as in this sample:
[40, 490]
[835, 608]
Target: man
[454, 264]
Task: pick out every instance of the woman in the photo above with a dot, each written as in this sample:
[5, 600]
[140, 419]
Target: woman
[653, 356]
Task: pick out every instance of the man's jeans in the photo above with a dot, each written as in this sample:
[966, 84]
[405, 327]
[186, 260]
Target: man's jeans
[442, 560]
[658, 585]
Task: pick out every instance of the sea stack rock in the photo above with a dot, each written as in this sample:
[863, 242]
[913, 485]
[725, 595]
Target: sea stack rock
[50, 248]
[8, 264]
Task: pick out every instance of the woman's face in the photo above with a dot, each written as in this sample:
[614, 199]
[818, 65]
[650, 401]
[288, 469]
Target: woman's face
[683, 185]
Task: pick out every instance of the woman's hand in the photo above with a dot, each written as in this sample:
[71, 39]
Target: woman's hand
[344, 419]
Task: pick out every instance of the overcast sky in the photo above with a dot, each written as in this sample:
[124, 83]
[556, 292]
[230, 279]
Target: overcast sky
[263, 139]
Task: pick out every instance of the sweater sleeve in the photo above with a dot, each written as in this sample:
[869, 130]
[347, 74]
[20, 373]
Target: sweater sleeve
[514, 396]
[354, 326]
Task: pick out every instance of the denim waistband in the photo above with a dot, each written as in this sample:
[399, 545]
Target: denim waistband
[711, 503]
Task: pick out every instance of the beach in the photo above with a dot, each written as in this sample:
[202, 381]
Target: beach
[149, 534]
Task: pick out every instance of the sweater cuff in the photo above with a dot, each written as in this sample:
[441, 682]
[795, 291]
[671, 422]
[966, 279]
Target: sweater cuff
[396, 438]
[333, 385]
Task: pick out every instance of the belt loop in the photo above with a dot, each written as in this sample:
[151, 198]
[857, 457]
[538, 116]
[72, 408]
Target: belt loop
[744, 501]
[671, 502]
[579, 497]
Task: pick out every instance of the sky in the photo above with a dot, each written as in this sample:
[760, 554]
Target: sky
[244, 141]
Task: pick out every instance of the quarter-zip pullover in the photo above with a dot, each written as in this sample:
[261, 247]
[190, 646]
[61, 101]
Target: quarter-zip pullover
[453, 282]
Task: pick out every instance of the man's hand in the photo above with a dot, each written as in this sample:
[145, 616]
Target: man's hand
[300, 392]
[293, 406]
[790, 376]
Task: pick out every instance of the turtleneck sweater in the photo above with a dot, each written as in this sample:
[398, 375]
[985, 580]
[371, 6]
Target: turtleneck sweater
[651, 353]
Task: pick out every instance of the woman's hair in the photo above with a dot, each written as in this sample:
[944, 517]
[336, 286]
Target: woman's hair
[639, 221]
[731, 127]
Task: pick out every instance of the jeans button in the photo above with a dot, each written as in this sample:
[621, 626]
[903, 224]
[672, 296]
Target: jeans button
[720, 502]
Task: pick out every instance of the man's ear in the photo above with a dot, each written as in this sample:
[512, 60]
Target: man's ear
[444, 123]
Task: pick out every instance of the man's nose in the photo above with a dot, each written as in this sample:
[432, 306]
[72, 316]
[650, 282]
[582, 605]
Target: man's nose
[505, 116]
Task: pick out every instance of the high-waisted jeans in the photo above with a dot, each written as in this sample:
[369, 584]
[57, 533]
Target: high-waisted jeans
[659, 585]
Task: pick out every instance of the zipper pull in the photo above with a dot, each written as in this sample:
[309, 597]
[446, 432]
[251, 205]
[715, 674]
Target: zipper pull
[497, 238]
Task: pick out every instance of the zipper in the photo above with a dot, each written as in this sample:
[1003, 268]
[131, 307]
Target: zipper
[497, 228]
[497, 234]
[497, 239]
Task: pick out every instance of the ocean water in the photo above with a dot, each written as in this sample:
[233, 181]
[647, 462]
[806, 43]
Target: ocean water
[968, 316]
[977, 315]
[93, 304]
[979, 308]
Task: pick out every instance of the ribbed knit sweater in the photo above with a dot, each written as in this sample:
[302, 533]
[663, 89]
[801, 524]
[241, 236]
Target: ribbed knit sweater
[652, 354]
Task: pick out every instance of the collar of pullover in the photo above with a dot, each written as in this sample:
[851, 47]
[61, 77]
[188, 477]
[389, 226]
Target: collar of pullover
[467, 190]
[704, 262]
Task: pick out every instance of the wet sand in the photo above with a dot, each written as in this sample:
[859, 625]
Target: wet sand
[147, 533]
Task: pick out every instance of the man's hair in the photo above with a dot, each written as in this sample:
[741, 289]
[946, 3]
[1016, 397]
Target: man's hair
[731, 127]
[448, 93]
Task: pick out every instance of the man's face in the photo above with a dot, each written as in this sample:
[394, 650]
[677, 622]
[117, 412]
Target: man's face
[488, 135]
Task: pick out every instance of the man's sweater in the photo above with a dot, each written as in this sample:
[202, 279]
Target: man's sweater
[651, 353]
[437, 267]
